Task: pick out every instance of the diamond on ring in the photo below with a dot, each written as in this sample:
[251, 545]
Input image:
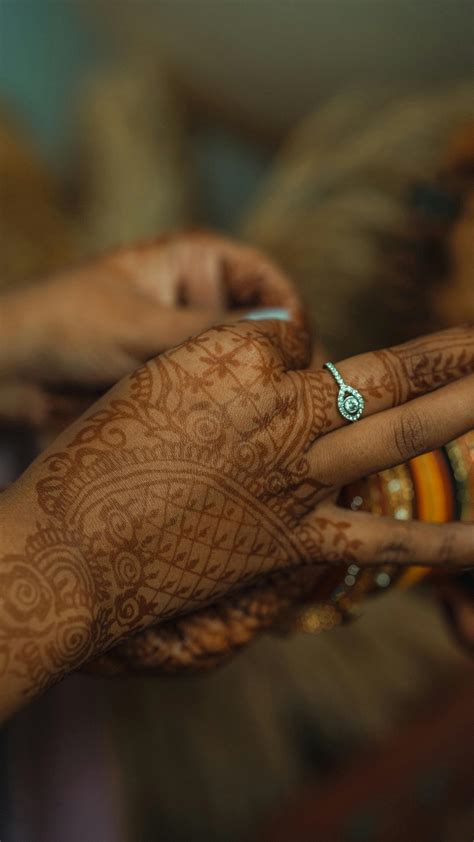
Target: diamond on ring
[349, 401]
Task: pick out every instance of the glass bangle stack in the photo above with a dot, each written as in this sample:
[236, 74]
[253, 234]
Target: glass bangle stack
[436, 487]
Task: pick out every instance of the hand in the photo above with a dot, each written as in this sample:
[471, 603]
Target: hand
[208, 636]
[208, 469]
[93, 324]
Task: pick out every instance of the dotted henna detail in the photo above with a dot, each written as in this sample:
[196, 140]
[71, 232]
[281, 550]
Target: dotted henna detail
[209, 635]
[162, 500]
[186, 483]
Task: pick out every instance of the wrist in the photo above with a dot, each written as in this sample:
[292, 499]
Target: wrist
[46, 619]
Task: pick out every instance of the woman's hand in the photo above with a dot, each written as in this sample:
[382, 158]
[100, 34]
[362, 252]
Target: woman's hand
[210, 468]
[91, 325]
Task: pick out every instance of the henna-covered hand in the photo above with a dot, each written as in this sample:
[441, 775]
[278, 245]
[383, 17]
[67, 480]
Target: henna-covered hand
[205, 471]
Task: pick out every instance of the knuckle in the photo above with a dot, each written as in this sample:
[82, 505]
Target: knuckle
[310, 544]
[258, 346]
[393, 552]
[448, 546]
[409, 434]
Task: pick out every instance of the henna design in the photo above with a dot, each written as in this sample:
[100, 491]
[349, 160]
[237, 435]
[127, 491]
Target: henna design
[179, 645]
[207, 638]
[423, 364]
[188, 481]
[47, 597]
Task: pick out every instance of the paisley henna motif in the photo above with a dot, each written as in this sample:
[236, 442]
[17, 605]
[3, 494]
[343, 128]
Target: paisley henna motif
[171, 494]
[188, 484]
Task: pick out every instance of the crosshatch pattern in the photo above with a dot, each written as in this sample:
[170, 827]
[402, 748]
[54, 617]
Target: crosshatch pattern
[190, 479]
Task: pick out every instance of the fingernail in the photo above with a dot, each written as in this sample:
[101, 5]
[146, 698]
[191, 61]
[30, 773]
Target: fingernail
[269, 313]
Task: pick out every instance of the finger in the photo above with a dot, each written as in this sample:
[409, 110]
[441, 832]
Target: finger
[223, 270]
[206, 637]
[173, 271]
[158, 331]
[341, 536]
[393, 376]
[253, 279]
[202, 282]
[104, 366]
[247, 277]
[94, 366]
[147, 265]
[395, 436]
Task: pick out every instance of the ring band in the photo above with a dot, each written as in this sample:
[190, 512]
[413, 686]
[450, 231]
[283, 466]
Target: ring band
[350, 402]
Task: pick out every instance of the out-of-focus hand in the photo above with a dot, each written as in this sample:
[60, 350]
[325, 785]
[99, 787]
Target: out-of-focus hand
[91, 325]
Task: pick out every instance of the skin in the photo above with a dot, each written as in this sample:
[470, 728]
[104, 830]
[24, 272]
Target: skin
[68, 338]
[91, 325]
[82, 329]
[210, 468]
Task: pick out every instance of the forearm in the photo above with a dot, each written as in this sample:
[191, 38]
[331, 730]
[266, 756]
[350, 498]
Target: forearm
[46, 622]
[67, 594]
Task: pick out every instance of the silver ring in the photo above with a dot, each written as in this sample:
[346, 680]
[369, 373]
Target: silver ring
[350, 402]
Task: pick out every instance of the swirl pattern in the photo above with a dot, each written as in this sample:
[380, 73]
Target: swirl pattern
[189, 482]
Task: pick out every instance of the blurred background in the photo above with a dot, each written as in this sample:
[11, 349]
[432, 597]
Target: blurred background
[339, 136]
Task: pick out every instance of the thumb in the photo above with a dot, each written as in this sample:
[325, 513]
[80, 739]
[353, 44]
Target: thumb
[289, 338]
[163, 329]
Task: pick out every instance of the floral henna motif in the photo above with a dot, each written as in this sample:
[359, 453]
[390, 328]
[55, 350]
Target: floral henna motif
[206, 638]
[411, 369]
[187, 482]
[191, 480]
